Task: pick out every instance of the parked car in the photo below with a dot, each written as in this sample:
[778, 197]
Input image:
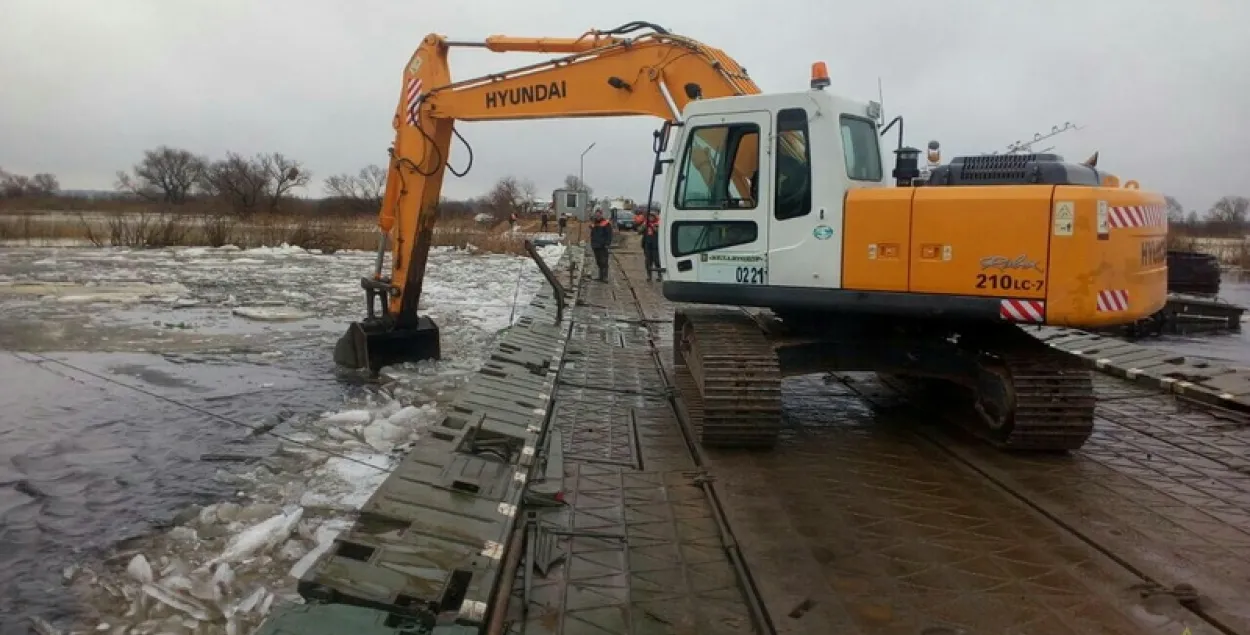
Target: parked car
[622, 218]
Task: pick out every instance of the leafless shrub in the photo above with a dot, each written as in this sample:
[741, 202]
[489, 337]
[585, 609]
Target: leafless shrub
[91, 232]
[318, 233]
[142, 229]
[218, 228]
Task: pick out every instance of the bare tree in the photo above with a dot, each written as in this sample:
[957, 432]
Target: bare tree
[363, 191]
[164, 174]
[13, 185]
[18, 185]
[506, 197]
[1230, 210]
[528, 192]
[572, 182]
[1176, 211]
[250, 185]
[283, 175]
[239, 182]
[45, 184]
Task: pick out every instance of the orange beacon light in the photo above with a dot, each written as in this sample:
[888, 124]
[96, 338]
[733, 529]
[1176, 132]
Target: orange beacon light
[820, 75]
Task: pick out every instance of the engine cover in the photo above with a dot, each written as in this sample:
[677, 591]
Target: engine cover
[1013, 169]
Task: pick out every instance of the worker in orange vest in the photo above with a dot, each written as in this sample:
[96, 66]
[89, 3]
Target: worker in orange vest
[639, 221]
[600, 240]
[651, 244]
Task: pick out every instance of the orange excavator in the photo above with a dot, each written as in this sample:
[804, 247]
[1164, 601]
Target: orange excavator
[779, 205]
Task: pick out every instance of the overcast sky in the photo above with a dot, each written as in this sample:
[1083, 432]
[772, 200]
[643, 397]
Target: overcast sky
[1161, 87]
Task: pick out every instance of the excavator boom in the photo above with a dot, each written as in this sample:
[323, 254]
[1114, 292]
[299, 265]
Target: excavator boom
[635, 69]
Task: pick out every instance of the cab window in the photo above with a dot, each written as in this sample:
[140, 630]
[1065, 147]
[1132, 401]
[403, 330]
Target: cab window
[859, 146]
[719, 168]
[696, 237]
[792, 192]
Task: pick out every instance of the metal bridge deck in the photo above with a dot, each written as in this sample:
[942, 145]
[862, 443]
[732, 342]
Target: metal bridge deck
[871, 516]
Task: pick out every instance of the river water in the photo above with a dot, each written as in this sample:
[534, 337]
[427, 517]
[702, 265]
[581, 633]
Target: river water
[102, 441]
[1227, 348]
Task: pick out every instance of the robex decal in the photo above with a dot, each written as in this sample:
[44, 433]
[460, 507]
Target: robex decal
[1002, 263]
[526, 94]
[1004, 281]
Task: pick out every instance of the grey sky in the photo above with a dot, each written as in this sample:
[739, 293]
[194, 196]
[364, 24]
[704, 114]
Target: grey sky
[1162, 88]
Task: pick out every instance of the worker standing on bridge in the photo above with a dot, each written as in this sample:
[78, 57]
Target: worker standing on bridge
[600, 239]
[651, 244]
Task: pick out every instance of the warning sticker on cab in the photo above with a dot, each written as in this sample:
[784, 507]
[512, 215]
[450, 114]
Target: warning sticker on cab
[1064, 218]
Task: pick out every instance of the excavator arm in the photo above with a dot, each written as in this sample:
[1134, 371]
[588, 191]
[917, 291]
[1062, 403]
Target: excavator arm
[599, 74]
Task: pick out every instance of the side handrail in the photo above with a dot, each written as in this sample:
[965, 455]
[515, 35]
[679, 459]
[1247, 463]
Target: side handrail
[556, 287]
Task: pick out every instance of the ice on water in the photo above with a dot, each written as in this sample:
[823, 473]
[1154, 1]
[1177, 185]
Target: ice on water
[222, 568]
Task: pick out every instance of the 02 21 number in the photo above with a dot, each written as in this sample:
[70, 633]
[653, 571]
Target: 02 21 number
[1007, 283]
[750, 275]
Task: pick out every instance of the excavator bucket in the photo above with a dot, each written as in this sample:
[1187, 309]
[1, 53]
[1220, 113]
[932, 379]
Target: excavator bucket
[374, 344]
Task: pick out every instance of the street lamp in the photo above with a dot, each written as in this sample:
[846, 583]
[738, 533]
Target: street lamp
[581, 168]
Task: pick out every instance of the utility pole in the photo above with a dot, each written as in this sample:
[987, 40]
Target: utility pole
[581, 172]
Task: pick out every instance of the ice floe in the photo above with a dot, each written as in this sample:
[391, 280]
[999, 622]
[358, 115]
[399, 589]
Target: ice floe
[223, 567]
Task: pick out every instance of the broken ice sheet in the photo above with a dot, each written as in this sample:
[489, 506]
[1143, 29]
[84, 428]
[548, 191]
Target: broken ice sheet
[264, 535]
[237, 559]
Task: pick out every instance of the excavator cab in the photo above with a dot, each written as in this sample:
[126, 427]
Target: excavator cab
[756, 217]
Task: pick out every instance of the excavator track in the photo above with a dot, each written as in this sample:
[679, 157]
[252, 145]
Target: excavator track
[1029, 396]
[1053, 398]
[728, 378]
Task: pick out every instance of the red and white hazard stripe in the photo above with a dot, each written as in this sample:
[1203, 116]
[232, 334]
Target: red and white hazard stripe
[1022, 310]
[413, 95]
[1111, 301]
[1137, 216]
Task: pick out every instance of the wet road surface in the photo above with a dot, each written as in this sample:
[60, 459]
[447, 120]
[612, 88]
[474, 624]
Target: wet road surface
[873, 516]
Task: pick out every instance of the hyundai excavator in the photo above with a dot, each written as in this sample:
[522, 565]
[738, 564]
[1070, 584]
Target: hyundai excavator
[778, 217]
